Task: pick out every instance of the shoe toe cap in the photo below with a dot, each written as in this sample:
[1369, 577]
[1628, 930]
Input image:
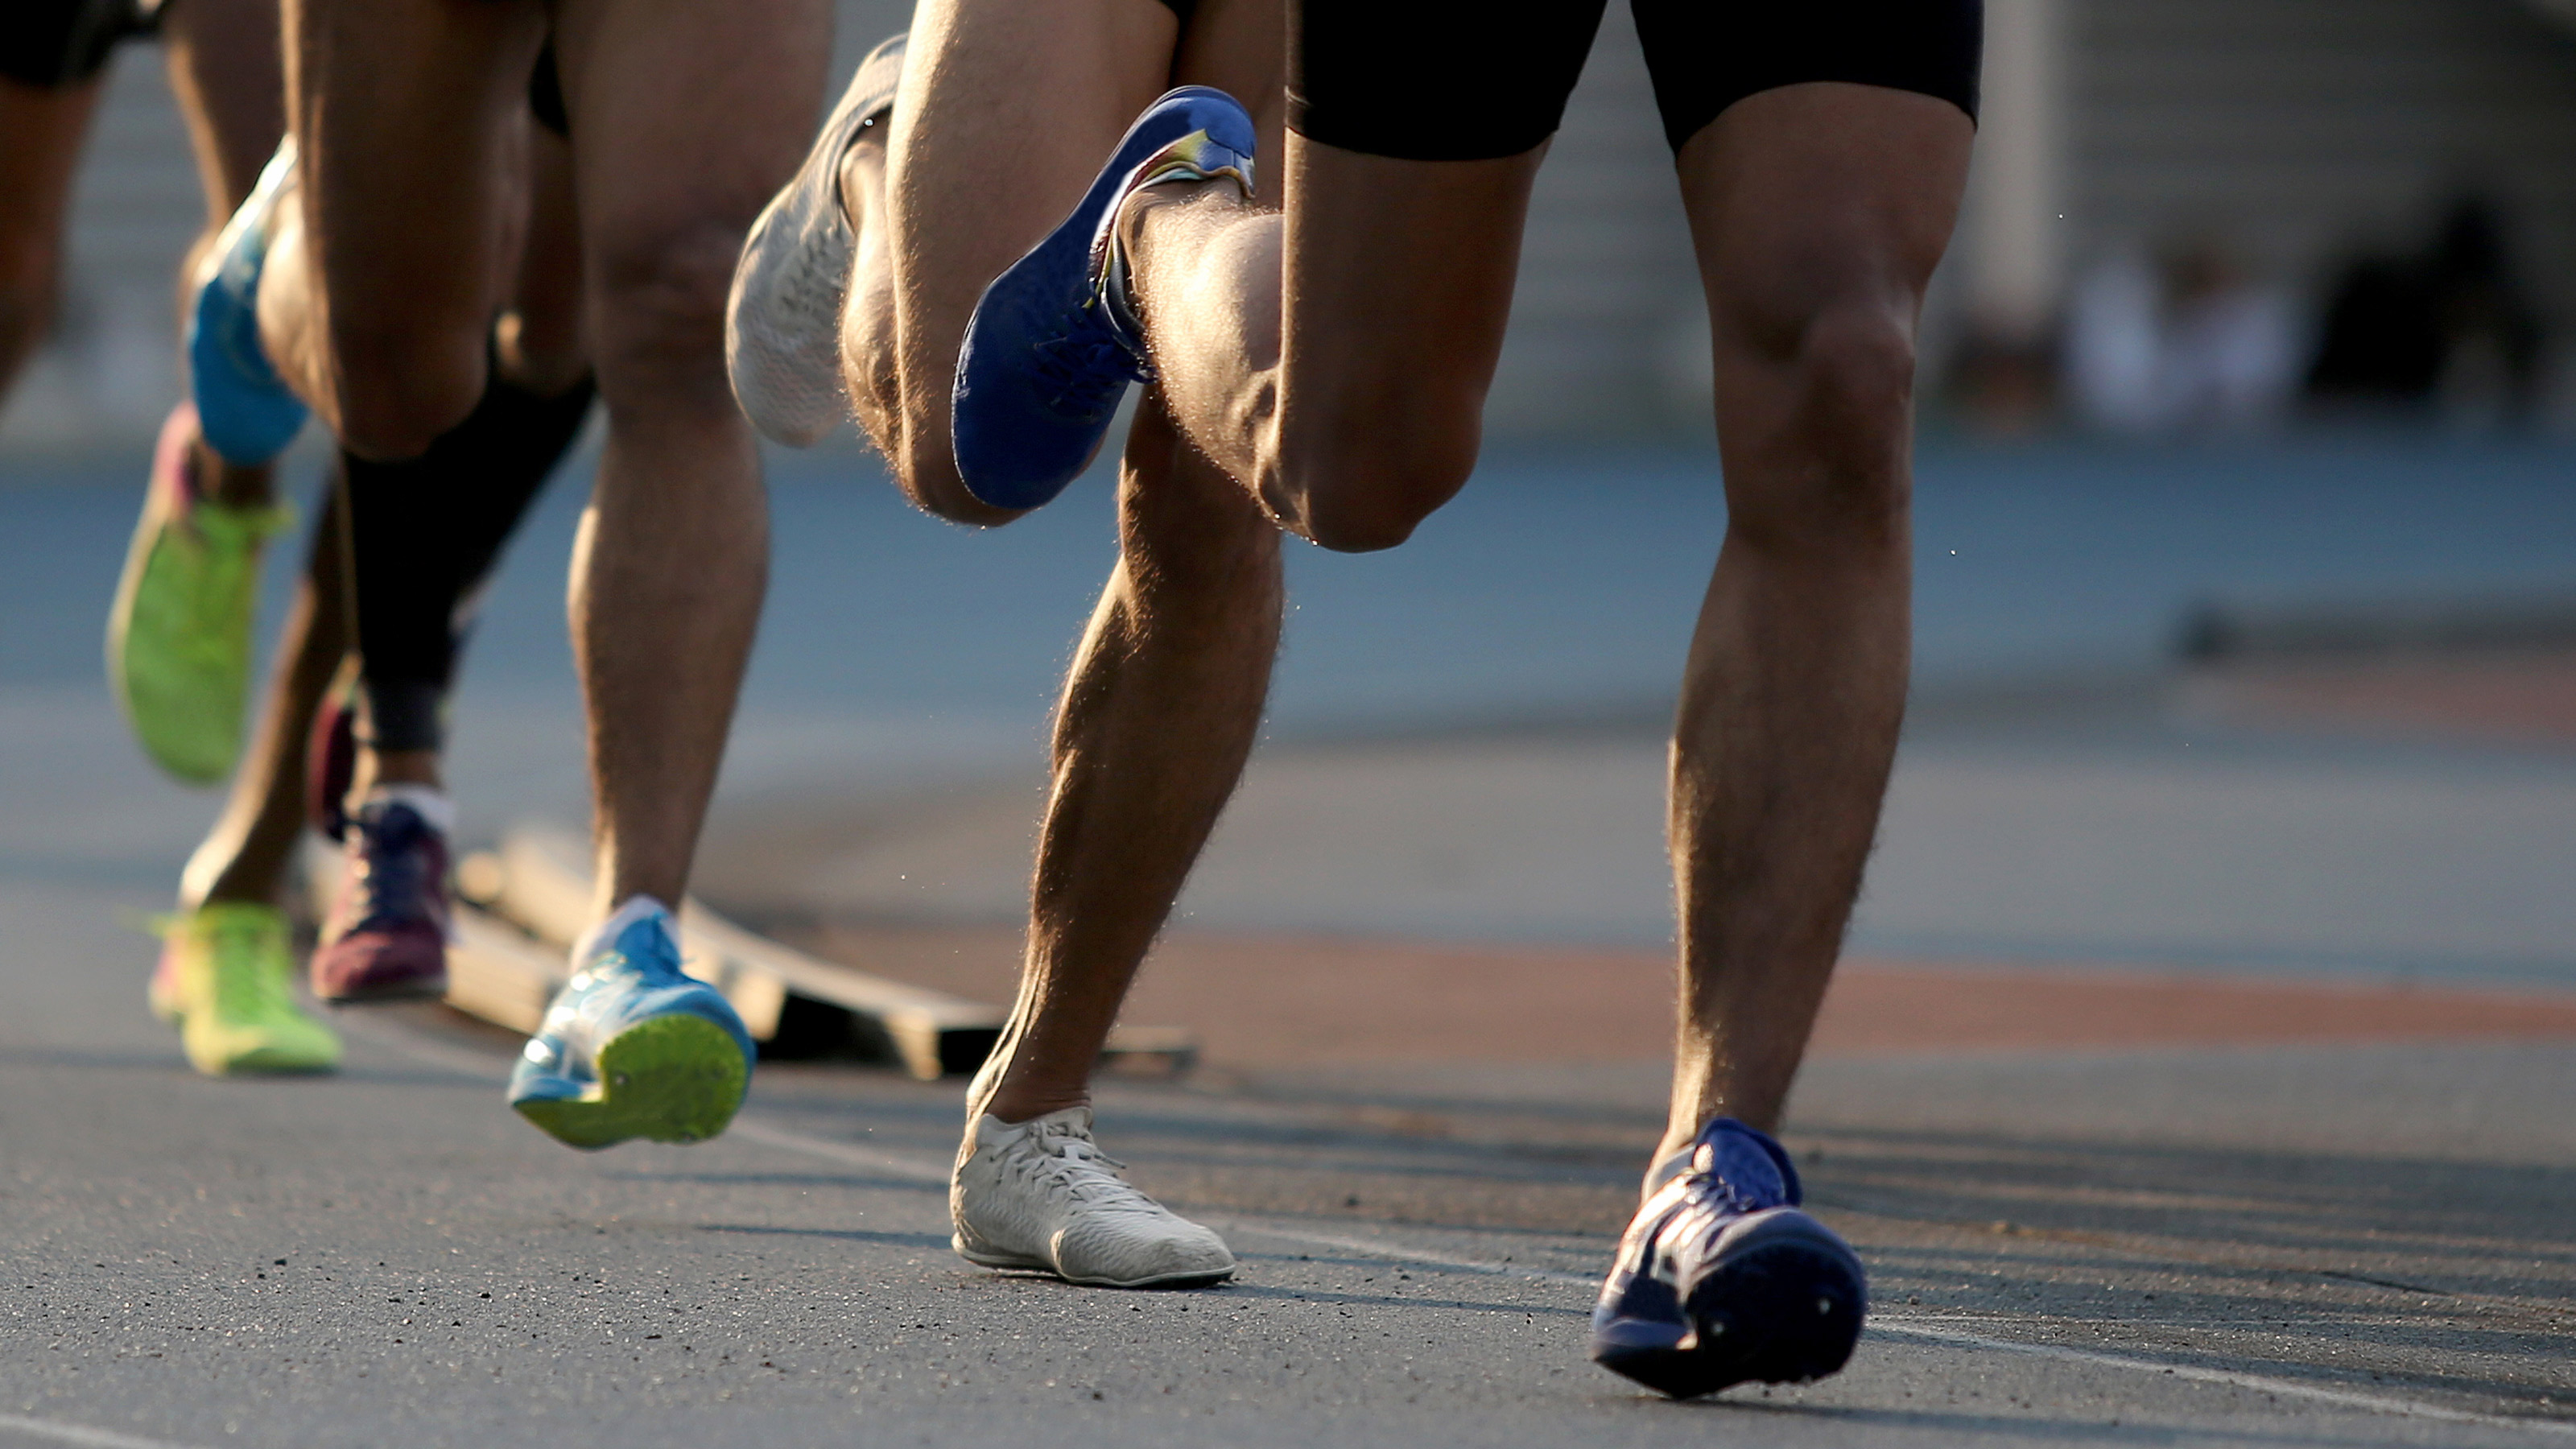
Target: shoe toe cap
[1178, 1251]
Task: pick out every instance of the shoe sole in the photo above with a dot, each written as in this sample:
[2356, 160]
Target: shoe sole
[788, 377]
[1784, 1307]
[265, 1062]
[676, 1078]
[176, 762]
[1014, 1262]
[1010, 482]
[427, 988]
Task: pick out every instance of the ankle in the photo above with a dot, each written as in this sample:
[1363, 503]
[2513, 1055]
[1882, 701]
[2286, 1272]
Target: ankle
[402, 767]
[233, 485]
[1013, 1105]
[427, 801]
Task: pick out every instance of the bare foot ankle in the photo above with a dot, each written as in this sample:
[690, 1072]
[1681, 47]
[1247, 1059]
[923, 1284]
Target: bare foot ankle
[234, 485]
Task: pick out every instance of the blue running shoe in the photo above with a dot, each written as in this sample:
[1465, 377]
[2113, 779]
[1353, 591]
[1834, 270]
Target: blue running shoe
[1722, 1279]
[631, 1047]
[244, 411]
[1053, 344]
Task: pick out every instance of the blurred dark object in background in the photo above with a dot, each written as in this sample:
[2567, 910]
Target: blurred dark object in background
[2449, 332]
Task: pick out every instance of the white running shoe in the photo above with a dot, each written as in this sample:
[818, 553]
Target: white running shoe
[783, 321]
[1038, 1194]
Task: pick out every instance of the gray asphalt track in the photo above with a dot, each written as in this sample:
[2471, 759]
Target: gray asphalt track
[2343, 1246]
[391, 1256]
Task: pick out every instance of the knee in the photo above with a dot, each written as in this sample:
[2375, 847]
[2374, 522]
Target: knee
[1361, 486]
[399, 392]
[925, 467]
[657, 317]
[1831, 465]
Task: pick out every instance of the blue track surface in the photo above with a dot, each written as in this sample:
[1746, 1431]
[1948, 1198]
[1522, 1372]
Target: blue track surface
[1558, 582]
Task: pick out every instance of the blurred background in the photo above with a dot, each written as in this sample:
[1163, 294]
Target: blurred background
[2246, 519]
[2188, 216]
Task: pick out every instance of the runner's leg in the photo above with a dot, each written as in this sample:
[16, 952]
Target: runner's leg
[1402, 277]
[1026, 100]
[1818, 212]
[228, 74]
[1158, 717]
[247, 855]
[1165, 695]
[382, 279]
[430, 530]
[41, 128]
[180, 637]
[425, 534]
[672, 557]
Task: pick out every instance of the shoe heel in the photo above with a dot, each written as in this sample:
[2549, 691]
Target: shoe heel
[1785, 1312]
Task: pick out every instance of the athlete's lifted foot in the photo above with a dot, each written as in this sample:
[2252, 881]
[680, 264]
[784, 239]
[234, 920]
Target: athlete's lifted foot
[631, 1047]
[387, 936]
[783, 322]
[179, 636]
[1722, 1279]
[1054, 342]
[1038, 1194]
[247, 412]
[224, 981]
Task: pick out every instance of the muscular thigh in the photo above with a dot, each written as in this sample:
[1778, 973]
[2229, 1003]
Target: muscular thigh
[1820, 202]
[408, 115]
[1241, 48]
[1006, 112]
[686, 116]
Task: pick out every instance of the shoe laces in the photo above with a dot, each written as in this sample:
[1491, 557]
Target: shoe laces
[393, 866]
[1073, 1166]
[1087, 368]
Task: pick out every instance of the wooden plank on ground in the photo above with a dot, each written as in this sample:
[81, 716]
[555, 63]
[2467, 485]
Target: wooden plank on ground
[495, 971]
[541, 880]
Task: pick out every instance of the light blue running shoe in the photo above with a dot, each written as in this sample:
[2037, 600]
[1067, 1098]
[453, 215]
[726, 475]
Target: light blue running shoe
[631, 1047]
[1053, 342]
[244, 411]
[1722, 1279]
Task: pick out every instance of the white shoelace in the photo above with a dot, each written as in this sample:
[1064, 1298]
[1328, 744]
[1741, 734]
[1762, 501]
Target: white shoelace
[1071, 1166]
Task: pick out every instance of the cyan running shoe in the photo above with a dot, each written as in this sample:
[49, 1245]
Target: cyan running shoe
[1721, 1278]
[631, 1047]
[244, 410]
[783, 320]
[1053, 342]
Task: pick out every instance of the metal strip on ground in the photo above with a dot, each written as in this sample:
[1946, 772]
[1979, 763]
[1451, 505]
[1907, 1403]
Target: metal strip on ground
[82, 1434]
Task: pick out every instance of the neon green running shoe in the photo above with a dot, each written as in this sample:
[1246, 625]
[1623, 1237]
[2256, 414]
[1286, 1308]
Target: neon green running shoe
[179, 640]
[224, 981]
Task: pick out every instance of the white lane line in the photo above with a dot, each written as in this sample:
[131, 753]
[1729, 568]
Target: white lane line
[1924, 1327]
[2261, 1383]
[909, 1166]
[82, 1435]
[410, 1042]
[1377, 1249]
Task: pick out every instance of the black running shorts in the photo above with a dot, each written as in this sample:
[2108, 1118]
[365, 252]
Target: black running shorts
[55, 43]
[1459, 80]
